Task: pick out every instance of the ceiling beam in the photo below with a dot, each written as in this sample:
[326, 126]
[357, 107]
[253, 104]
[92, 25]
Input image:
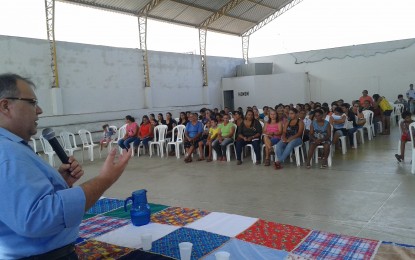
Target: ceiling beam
[262, 4]
[270, 18]
[100, 6]
[221, 12]
[212, 11]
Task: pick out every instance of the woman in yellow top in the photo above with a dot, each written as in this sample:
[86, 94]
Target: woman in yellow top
[386, 109]
[213, 135]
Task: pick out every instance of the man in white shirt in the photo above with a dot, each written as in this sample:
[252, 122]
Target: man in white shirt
[410, 94]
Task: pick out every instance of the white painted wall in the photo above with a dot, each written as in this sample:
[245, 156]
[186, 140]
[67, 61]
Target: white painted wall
[100, 84]
[268, 89]
[385, 68]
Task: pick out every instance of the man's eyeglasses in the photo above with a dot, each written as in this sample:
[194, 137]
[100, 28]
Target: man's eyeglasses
[32, 101]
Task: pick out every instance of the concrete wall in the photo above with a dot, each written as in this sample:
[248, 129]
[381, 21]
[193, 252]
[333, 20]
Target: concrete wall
[385, 68]
[103, 84]
[268, 89]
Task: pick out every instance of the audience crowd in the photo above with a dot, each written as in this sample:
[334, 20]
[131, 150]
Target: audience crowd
[275, 130]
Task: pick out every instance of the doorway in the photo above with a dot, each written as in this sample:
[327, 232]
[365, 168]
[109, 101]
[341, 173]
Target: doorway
[228, 99]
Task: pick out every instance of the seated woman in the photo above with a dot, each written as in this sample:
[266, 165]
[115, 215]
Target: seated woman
[183, 119]
[160, 119]
[237, 118]
[171, 123]
[130, 133]
[153, 120]
[256, 115]
[281, 115]
[203, 140]
[271, 135]
[145, 133]
[351, 118]
[225, 137]
[360, 118]
[320, 134]
[193, 133]
[291, 137]
[212, 137]
[338, 121]
[249, 132]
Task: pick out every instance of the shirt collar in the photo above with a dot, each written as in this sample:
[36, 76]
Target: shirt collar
[9, 135]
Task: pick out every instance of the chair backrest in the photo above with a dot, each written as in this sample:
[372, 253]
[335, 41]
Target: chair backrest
[175, 133]
[33, 144]
[399, 126]
[45, 145]
[121, 131]
[180, 133]
[66, 137]
[398, 109]
[86, 137]
[369, 117]
[412, 132]
[160, 132]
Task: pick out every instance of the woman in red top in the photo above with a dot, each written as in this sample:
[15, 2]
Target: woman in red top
[145, 134]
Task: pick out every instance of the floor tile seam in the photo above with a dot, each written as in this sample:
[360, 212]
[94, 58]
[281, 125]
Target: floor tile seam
[380, 208]
[388, 226]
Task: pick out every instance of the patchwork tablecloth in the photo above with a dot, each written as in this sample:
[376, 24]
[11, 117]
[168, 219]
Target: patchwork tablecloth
[107, 233]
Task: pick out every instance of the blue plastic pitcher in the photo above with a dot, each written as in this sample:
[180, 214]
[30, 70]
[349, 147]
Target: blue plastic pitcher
[140, 210]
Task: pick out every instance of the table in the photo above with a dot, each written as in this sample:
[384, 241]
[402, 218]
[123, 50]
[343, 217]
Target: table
[107, 233]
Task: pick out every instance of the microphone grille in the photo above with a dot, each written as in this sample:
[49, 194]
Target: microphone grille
[48, 133]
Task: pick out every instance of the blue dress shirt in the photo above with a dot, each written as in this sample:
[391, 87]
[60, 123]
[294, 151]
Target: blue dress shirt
[38, 211]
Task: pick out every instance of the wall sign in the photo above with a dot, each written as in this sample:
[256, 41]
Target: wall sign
[241, 94]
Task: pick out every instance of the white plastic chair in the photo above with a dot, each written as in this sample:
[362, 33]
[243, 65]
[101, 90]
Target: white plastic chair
[412, 132]
[160, 132]
[121, 133]
[69, 142]
[114, 129]
[297, 150]
[87, 143]
[177, 139]
[48, 150]
[33, 145]
[398, 109]
[231, 145]
[330, 156]
[370, 128]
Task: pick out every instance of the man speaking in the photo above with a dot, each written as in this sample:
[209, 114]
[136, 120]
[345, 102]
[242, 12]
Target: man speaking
[40, 211]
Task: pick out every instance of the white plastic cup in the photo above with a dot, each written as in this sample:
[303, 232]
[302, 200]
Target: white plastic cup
[146, 241]
[185, 250]
[222, 255]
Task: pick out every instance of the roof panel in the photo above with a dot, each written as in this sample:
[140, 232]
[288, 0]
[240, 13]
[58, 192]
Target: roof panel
[241, 18]
[168, 10]
[241, 8]
[193, 15]
[215, 5]
[277, 4]
[230, 25]
[257, 13]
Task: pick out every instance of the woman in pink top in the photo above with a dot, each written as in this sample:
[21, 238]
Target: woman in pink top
[130, 133]
[271, 134]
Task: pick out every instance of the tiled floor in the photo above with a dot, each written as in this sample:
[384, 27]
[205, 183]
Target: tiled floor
[366, 193]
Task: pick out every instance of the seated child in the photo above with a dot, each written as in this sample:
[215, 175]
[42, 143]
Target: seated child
[212, 138]
[106, 136]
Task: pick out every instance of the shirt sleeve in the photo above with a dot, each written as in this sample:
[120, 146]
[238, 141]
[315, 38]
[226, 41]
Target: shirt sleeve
[35, 202]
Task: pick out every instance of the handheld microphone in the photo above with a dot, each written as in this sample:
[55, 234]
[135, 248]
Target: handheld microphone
[49, 135]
